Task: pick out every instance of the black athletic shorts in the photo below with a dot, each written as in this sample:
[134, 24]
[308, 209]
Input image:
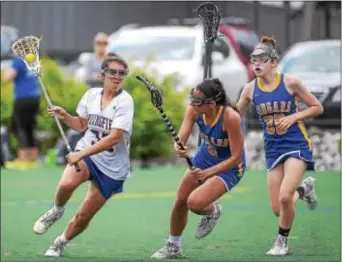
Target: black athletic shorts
[24, 120]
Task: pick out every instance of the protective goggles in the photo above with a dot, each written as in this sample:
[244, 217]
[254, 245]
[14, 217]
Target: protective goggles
[109, 72]
[269, 53]
[198, 101]
[261, 58]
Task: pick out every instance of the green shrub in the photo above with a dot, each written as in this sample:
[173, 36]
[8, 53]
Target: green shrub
[150, 138]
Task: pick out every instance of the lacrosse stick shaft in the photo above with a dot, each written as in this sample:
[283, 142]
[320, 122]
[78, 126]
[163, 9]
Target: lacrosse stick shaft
[210, 18]
[208, 62]
[174, 135]
[48, 100]
[206, 71]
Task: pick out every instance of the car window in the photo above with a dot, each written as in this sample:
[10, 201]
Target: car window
[160, 48]
[337, 96]
[246, 39]
[221, 45]
[318, 59]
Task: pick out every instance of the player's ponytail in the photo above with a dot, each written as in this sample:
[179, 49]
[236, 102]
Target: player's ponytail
[223, 99]
[267, 40]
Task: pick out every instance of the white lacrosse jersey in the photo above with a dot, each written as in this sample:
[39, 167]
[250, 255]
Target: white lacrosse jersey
[115, 161]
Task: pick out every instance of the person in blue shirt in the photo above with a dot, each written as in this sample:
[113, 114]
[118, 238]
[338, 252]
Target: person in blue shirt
[288, 149]
[26, 107]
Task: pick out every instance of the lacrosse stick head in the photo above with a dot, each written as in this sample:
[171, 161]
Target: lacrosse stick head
[27, 48]
[156, 94]
[210, 19]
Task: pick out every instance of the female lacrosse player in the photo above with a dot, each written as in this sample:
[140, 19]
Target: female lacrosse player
[288, 149]
[219, 161]
[102, 153]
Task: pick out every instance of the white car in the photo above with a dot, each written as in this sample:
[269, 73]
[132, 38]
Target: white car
[180, 49]
[316, 63]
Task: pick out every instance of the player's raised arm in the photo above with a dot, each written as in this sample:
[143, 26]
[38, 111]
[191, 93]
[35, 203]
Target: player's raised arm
[185, 131]
[78, 123]
[122, 122]
[187, 124]
[245, 99]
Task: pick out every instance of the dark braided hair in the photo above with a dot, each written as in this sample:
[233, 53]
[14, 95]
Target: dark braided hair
[213, 88]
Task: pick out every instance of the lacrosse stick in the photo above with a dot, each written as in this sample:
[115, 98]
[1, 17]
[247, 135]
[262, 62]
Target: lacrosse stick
[27, 48]
[157, 101]
[210, 19]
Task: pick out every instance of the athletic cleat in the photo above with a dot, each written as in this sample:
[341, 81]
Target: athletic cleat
[56, 249]
[310, 195]
[168, 251]
[207, 223]
[47, 220]
[280, 247]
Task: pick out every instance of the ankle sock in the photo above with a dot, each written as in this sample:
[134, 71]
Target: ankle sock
[284, 232]
[300, 190]
[63, 239]
[58, 209]
[175, 240]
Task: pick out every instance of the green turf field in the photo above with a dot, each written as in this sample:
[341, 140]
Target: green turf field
[133, 225]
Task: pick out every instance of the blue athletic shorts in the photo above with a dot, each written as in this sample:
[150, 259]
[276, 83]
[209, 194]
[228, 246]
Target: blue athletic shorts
[230, 177]
[108, 186]
[275, 159]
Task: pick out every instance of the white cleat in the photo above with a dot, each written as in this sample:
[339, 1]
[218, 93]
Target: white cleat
[47, 220]
[280, 247]
[310, 195]
[207, 223]
[168, 251]
[56, 249]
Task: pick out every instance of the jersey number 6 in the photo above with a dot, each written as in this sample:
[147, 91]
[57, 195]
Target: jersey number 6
[272, 124]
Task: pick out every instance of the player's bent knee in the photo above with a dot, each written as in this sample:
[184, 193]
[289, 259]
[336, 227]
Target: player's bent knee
[276, 212]
[66, 186]
[196, 205]
[276, 209]
[285, 199]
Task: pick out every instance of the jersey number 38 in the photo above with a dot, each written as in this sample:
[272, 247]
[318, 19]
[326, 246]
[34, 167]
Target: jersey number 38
[272, 124]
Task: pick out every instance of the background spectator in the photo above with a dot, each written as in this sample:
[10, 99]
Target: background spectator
[93, 67]
[26, 107]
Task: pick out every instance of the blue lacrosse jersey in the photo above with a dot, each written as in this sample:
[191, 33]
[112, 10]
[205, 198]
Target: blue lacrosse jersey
[215, 144]
[271, 106]
[26, 84]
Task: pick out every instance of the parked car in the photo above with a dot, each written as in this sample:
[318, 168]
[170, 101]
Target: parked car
[318, 65]
[179, 49]
[239, 32]
[331, 117]
[243, 38]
